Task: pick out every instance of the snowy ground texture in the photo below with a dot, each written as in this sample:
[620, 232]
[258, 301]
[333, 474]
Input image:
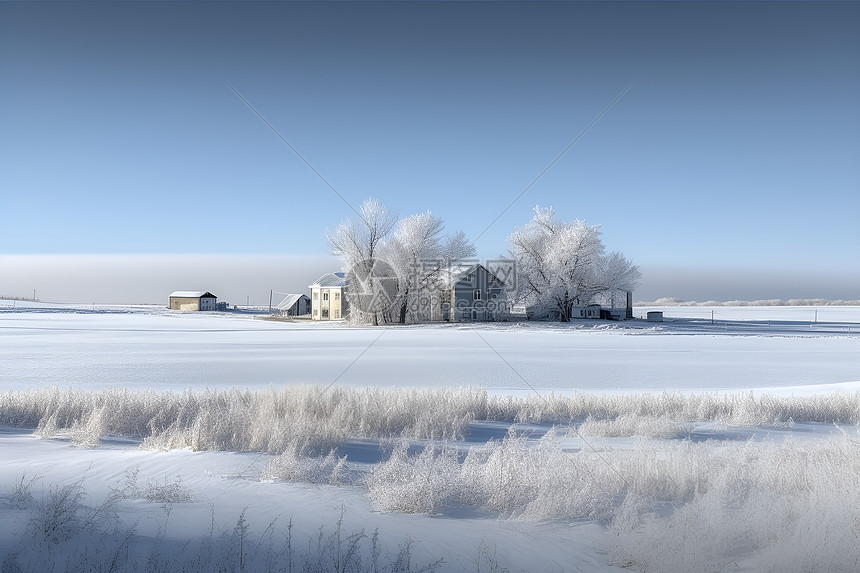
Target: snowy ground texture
[139, 439]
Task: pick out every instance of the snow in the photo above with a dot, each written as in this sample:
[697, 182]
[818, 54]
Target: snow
[159, 349]
[814, 317]
[213, 477]
[190, 293]
[331, 280]
[774, 350]
[289, 301]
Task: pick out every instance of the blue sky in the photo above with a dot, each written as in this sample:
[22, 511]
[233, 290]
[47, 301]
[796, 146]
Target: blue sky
[736, 149]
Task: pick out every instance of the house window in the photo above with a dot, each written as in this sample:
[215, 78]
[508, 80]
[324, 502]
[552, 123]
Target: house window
[337, 295]
[316, 312]
[337, 313]
[476, 294]
[325, 296]
[316, 295]
[325, 313]
[474, 315]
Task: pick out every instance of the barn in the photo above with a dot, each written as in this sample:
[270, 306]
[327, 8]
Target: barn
[295, 305]
[192, 300]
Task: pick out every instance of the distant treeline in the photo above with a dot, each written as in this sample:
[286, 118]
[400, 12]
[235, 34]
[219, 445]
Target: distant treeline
[669, 301]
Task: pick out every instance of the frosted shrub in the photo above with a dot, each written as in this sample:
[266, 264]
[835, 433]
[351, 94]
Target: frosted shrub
[87, 431]
[59, 514]
[512, 478]
[174, 437]
[631, 425]
[292, 466]
[539, 481]
[153, 490]
[495, 474]
[63, 532]
[795, 505]
[674, 506]
[48, 427]
[415, 484]
[20, 496]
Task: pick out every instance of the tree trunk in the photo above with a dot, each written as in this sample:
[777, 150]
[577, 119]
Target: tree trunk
[565, 308]
[404, 306]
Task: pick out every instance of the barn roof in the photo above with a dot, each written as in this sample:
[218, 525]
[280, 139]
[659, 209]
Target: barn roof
[289, 301]
[191, 294]
[331, 280]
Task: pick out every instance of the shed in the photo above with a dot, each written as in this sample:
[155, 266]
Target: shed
[655, 316]
[192, 300]
[295, 305]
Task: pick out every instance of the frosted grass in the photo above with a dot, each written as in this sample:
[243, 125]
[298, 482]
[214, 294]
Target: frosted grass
[312, 420]
[672, 504]
[309, 419]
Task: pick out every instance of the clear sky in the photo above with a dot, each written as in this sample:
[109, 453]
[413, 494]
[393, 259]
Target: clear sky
[736, 153]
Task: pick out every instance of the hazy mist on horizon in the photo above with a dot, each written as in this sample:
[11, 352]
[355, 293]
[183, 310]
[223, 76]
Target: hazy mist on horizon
[243, 279]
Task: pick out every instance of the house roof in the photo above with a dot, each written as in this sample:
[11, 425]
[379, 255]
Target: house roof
[289, 301]
[331, 280]
[450, 278]
[191, 294]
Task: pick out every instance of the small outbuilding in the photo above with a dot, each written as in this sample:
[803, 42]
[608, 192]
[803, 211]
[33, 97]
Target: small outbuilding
[193, 300]
[295, 305]
[655, 316]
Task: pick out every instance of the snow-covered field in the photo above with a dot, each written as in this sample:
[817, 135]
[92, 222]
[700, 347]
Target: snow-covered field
[150, 347]
[659, 450]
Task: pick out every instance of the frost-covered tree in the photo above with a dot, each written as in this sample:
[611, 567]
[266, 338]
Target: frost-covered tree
[358, 242]
[416, 240]
[420, 252]
[562, 265]
[617, 275]
[394, 265]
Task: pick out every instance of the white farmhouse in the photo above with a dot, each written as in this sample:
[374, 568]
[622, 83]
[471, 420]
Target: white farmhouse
[328, 300]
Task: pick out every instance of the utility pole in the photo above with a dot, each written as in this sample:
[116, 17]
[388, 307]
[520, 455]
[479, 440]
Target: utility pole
[271, 291]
